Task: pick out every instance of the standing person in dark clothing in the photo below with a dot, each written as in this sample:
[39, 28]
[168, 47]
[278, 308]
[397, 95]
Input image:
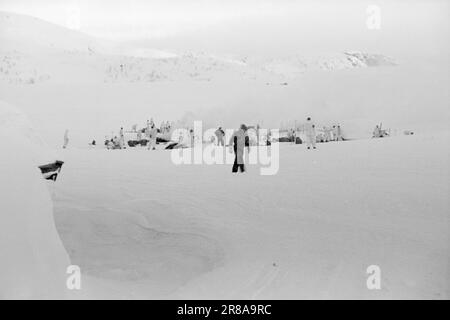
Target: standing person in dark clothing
[238, 141]
[220, 134]
[191, 133]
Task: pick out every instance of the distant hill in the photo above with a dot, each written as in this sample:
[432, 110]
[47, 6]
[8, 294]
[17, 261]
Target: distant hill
[33, 51]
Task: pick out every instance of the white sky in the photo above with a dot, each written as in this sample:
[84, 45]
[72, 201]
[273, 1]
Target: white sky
[152, 17]
[249, 26]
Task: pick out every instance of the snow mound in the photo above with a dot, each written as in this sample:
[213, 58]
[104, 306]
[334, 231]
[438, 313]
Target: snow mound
[33, 259]
[17, 128]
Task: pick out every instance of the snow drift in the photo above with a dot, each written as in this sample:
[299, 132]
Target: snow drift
[33, 260]
[16, 127]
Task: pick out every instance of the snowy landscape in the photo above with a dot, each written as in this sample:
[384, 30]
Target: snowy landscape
[140, 226]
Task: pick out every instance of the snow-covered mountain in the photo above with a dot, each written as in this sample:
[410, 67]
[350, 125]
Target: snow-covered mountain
[295, 65]
[34, 51]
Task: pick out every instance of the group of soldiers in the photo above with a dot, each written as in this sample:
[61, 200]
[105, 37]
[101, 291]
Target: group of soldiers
[149, 132]
[314, 135]
[311, 133]
[328, 134]
[379, 133]
[117, 142]
[239, 140]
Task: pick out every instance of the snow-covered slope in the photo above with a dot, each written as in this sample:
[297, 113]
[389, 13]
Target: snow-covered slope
[25, 32]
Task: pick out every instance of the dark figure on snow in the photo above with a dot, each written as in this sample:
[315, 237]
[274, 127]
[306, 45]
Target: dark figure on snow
[220, 134]
[239, 140]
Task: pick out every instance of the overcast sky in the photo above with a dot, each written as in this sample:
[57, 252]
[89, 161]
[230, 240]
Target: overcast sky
[249, 26]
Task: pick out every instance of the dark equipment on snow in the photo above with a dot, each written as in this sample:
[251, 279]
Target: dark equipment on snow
[50, 171]
[144, 142]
